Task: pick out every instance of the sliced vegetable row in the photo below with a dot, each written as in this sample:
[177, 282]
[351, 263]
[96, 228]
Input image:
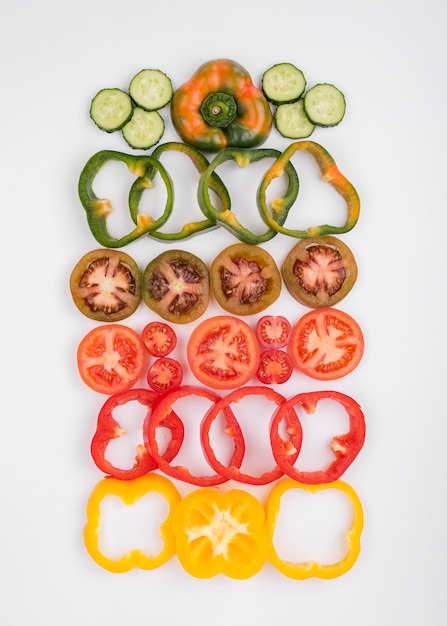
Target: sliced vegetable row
[134, 112]
[108, 285]
[223, 353]
[298, 111]
[218, 211]
[213, 533]
[217, 424]
[218, 107]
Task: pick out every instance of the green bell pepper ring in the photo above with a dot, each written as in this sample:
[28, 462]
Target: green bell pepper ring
[220, 107]
[243, 157]
[98, 209]
[201, 163]
[329, 173]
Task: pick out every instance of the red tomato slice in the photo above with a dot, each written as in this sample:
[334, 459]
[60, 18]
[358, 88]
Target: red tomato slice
[326, 344]
[106, 285]
[223, 352]
[275, 367]
[273, 331]
[111, 358]
[164, 374]
[160, 339]
[245, 279]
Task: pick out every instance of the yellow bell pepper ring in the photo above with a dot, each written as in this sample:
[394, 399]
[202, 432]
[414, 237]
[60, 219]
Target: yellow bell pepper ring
[220, 533]
[308, 569]
[129, 492]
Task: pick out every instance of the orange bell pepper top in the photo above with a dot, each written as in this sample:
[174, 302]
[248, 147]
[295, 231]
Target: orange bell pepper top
[242, 114]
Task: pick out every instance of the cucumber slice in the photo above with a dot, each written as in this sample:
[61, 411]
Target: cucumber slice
[144, 129]
[283, 83]
[324, 105]
[151, 89]
[292, 122]
[110, 109]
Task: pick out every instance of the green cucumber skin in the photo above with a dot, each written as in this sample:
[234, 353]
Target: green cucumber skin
[121, 115]
[132, 130]
[317, 105]
[281, 73]
[147, 96]
[292, 122]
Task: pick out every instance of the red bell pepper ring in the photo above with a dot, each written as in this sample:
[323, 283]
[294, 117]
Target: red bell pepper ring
[157, 418]
[108, 428]
[345, 446]
[223, 406]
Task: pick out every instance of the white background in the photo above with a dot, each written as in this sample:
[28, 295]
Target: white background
[389, 59]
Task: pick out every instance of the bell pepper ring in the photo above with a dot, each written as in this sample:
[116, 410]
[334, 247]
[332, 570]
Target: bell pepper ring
[158, 417]
[129, 492]
[220, 533]
[329, 173]
[219, 106]
[226, 217]
[98, 209]
[345, 446]
[200, 162]
[108, 429]
[223, 407]
[309, 569]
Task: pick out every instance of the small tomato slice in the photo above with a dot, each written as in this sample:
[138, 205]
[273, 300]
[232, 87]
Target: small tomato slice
[164, 374]
[245, 279]
[176, 286]
[106, 285]
[220, 533]
[160, 339]
[326, 344]
[275, 367]
[111, 358]
[273, 331]
[223, 352]
[319, 272]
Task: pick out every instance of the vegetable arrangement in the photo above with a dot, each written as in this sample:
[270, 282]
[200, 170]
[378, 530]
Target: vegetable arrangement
[274, 214]
[218, 110]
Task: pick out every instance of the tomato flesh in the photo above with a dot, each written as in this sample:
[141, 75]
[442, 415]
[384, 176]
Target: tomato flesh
[111, 358]
[319, 272]
[273, 331]
[326, 344]
[160, 339]
[223, 352]
[106, 285]
[164, 374]
[245, 279]
[275, 367]
[176, 286]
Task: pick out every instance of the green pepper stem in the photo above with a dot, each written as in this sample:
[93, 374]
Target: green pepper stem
[219, 109]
